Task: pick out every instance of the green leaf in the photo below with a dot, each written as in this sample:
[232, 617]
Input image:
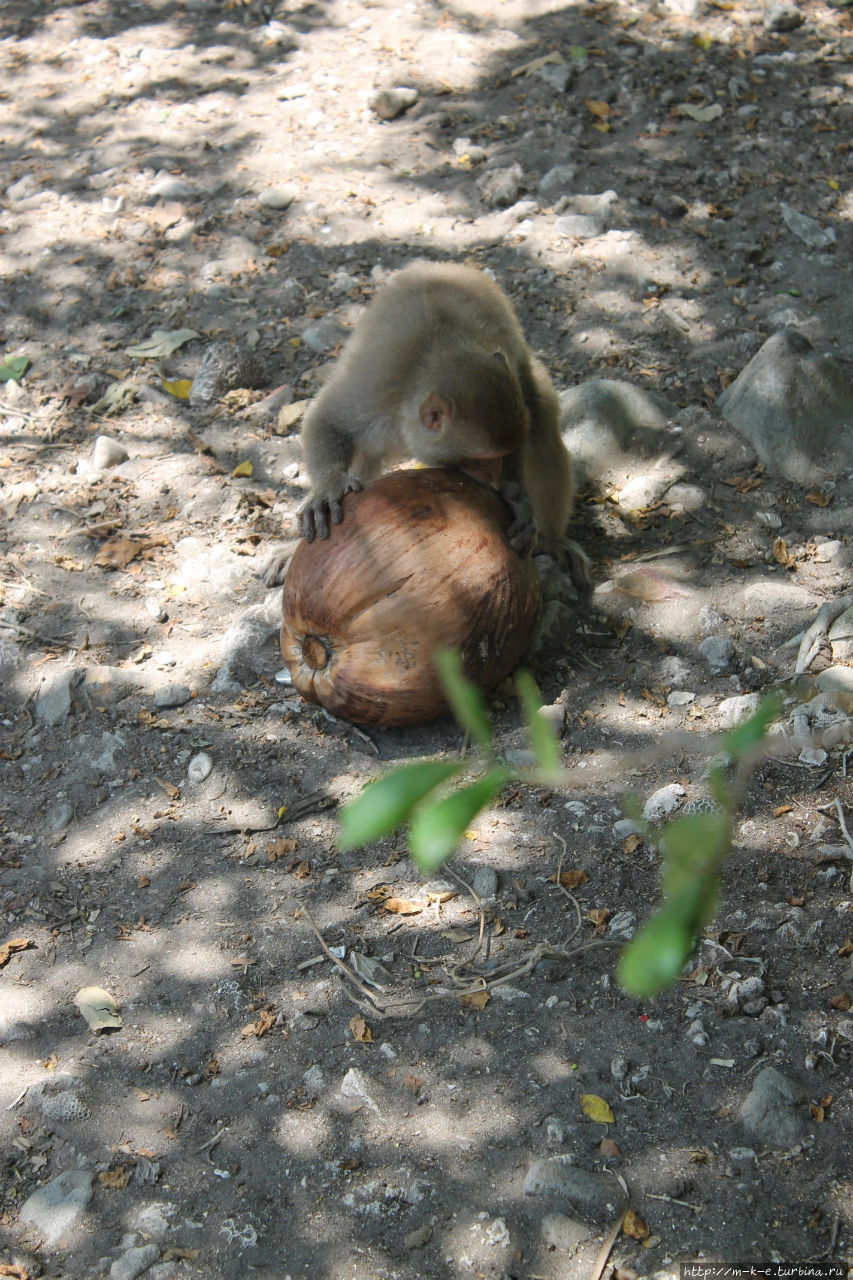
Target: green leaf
[655, 958]
[466, 701]
[387, 803]
[693, 846]
[13, 368]
[437, 827]
[543, 740]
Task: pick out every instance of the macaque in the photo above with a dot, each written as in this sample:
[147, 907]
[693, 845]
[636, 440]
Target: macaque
[437, 370]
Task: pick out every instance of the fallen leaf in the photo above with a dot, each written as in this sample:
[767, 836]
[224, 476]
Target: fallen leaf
[163, 342]
[280, 848]
[571, 879]
[180, 389]
[631, 843]
[143, 882]
[846, 948]
[14, 1269]
[608, 1148]
[173, 792]
[601, 110]
[702, 115]
[14, 944]
[289, 415]
[98, 1008]
[649, 586]
[818, 498]
[360, 1030]
[702, 40]
[261, 1025]
[595, 1108]
[528, 68]
[243, 469]
[476, 1000]
[443, 895]
[13, 368]
[841, 1001]
[633, 1226]
[402, 907]
[414, 1084]
[781, 554]
[599, 917]
[115, 1178]
[173, 1255]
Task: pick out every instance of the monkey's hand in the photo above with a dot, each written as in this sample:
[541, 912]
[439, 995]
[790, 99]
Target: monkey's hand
[522, 530]
[322, 508]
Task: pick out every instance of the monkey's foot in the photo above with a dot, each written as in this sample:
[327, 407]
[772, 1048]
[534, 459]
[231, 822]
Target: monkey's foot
[569, 557]
[275, 570]
[322, 508]
[522, 530]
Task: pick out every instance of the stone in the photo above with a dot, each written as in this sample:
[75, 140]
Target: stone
[485, 882]
[56, 1207]
[783, 17]
[54, 700]
[716, 652]
[199, 768]
[608, 426]
[500, 188]
[225, 366]
[807, 229]
[793, 405]
[663, 802]
[323, 335]
[557, 181]
[132, 1263]
[560, 1232]
[108, 453]
[59, 816]
[732, 711]
[594, 1195]
[772, 1111]
[280, 196]
[172, 695]
[388, 104]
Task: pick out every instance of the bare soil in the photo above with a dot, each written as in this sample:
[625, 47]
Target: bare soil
[223, 1120]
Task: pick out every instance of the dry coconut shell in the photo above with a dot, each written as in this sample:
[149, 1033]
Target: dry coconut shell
[420, 561]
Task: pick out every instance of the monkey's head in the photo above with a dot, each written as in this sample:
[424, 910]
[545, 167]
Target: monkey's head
[468, 412]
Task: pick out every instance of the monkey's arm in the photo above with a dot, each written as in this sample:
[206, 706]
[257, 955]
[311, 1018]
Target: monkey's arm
[329, 452]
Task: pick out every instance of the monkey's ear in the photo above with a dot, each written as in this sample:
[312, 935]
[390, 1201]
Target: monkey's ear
[500, 357]
[435, 412]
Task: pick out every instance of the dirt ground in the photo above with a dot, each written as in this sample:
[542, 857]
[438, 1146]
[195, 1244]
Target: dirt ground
[217, 168]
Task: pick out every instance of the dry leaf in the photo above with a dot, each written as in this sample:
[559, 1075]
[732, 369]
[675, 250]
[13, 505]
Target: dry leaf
[378, 893]
[143, 882]
[631, 843]
[529, 67]
[818, 498]
[173, 1255]
[98, 1008]
[599, 917]
[14, 944]
[595, 1108]
[414, 1084]
[476, 1000]
[647, 585]
[846, 948]
[116, 1178]
[781, 554]
[444, 895]
[601, 110]
[261, 1026]
[608, 1149]
[633, 1226]
[173, 792]
[842, 1001]
[571, 879]
[289, 415]
[360, 1030]
[14, 1269]
[243, 468]
[402, 907]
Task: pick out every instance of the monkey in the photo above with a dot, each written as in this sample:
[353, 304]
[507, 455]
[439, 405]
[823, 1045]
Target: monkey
[438, 370]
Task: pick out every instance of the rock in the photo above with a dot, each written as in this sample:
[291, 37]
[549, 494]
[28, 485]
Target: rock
[520, 757]
[168, 186]
[663, 802]
[500, 188]
[54, 1208]
[324, 335]
[281, 196]
[772, 1110]
[783, 17]
[225, 366]
[807, 229]
[485, 882]
[356, 1085]
[732, 711]
[609, 426]
[716, 652]
[742, 995]
[836, 680]
[557, 181]
[622, 925]
[155, 609]
[582, 226]
[108, 453]
[388, 104]
[172, 695]
[132, 1263]
[62, 1097]
[791, 405]
[108, 686]
[560, 1232]
[473, 152]
[679, 698]
[163, 659]
[199, 768]
[54, 700]
[59, 816]
[595, 1195]
[559, 75]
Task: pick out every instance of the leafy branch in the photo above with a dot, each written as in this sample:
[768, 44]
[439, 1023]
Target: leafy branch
[439, 806]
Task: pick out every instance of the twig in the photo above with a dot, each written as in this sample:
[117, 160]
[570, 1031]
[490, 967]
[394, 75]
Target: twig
[211, 1142]
[843, 825]
[685, 1204]
[601, 1260]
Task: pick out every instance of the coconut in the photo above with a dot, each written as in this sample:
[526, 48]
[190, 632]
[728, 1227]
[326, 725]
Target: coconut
[421, 561]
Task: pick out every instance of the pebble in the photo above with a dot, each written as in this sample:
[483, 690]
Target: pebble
[560, 1232]
[595, 1195]
[485, 882]
[520, 757]
[500, 188]
[807, 229]
[168, 186]
[679, 698]
[836, 680]
[280, 196]
[225, 366]
[473, 152]
[772, 1111]
[163, 658]
[134, 1262]
[108, 453]
[357, 1085]
[54, 700]
[323, 335]
[54, 1208]
[557, 181]
[155, 610]
[732, 711]
[172, 695]
[812, 756]
[827, 551]
[558, 75]
[388, 104]
[59, 816]
[716, 652]
[581, 226]
[663, 802]
[62, 1097]
[742, 995]
[622, 925]
[627, 827]
[199, 768]
[783, 17]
